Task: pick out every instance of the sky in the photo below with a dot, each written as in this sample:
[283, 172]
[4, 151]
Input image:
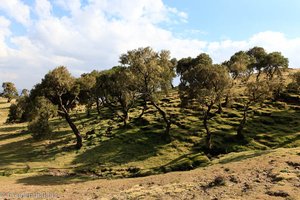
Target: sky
[39, 35]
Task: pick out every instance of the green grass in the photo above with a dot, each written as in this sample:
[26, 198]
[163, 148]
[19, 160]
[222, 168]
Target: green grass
[140, 149]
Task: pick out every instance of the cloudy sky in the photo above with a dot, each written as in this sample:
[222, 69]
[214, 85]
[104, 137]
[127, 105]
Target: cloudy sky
[38, 35]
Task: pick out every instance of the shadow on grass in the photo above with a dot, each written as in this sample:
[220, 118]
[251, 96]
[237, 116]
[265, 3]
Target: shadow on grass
[11, 136]
[29, 150]
[126, 146]
[243, 157]
[12, 128]
[48, 180]
[278, 129]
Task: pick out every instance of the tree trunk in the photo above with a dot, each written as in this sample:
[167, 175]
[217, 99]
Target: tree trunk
[208, 133]
[258, 75]
[240, 134]
[205, 123]
[125, 118]
[88, 111]
[71, 124]
[143, 110]
[167, 121]
[98, 106]
[75, 131]
[220, 109]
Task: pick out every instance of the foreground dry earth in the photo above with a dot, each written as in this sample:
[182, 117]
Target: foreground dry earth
[266, 175]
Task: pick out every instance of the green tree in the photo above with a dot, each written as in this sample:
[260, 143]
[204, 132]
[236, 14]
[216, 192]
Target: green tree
[42, 111]
[275, 63]
[255, 92]
[206, 83]
[239, 65]
[25, 93]
[9, 91]
[258, 56]
[153, 73]
[20, 110]
[118, 91]
[61, 89]
[88, 95]
[294, 86]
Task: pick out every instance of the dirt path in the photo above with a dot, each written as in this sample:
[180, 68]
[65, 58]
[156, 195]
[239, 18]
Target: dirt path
[273, 175]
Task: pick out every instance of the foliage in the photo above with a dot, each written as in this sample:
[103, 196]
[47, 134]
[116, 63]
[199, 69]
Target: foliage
[39, 128]
[61, 89]
[117, 89]
[294, 86]
[258, 56]
[87, 94]
[239, 65]
[255, 92]
[274, 64]
[20, 110]
[9, 91]
[152, 73]
[43, 110]
[207, 84]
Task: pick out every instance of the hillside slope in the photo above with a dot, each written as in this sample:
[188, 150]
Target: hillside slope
[273, 174]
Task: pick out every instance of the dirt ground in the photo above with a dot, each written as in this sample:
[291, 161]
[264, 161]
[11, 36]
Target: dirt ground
[271, 175]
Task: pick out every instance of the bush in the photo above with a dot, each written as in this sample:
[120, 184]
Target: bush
[13, 114]
[19, 111]
[293, 87]
[39, 128]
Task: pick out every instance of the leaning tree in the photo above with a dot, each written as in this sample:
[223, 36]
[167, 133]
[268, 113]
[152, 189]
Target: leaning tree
[60, 88]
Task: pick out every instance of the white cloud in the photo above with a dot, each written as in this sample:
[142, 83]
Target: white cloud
[17, 10]
[4, 33]
[43, 9]
[93, 35]
[8, 76]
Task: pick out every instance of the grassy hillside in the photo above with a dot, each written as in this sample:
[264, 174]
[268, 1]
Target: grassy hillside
[139, 150]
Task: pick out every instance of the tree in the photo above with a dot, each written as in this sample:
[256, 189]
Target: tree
[60, 88]
[239, 65]
[118, 92]
[255, 92]
[20, 110]
[294, 86]
[206, 83]
[275, 63]
[88, 95]
[184, 66]
[258, 56]
[9, 91]
[153, 73]
[240, 69]
[43, 110]
[25, 93]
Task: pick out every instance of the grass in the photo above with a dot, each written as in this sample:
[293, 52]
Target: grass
[140, 150]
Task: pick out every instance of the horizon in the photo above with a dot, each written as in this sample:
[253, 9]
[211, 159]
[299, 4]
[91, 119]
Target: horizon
[39, 35]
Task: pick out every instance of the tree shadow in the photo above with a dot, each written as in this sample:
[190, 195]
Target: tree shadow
[275, 129]
[125, 146]
[11, 136]
[30, 150]
[49, 180]
[12, 128]
[244, 156]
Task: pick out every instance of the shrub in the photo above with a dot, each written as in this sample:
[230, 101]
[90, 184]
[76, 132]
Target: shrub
[39, 128]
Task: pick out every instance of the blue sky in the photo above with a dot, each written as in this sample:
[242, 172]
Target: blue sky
[38, 35]
[238, 19]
